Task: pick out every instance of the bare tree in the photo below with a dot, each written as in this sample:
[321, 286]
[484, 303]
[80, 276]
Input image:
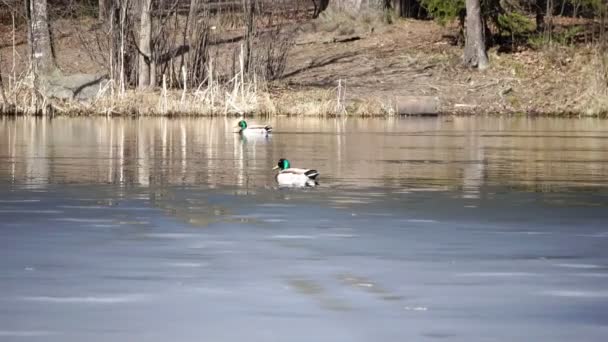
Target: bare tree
[145, 48]
[103, 10]
[475, 47]
[4, 100]
[39, 37]
[249, 8]
[192, 16]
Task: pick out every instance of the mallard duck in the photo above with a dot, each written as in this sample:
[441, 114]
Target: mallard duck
[289, 176]
[259, 130]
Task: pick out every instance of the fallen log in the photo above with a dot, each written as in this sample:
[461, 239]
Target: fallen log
[83, 87]
[337, 39]
[416, 105]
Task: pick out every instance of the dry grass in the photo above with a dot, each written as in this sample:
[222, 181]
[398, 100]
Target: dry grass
[240, 96]
[594, 101]
[346, 23]
[410, 58]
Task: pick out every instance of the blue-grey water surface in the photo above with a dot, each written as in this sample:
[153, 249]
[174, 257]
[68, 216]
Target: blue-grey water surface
[422, 229]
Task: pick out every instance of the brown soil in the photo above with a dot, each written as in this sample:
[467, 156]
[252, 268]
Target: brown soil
[406, 58]
[417, 58]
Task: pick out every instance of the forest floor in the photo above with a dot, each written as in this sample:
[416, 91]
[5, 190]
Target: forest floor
[376, 64]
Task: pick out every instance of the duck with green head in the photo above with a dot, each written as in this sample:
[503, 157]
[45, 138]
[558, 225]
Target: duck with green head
[253, 130]
[293, 177]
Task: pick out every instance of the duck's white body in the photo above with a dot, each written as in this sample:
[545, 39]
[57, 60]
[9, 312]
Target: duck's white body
[256, 130]
[294, 177]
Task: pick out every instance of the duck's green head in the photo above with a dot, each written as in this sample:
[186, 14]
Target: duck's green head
[242, 124]
[282, 164]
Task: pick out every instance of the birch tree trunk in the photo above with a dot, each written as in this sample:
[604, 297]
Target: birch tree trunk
[39, 38]
[475, 47]
[145, 40]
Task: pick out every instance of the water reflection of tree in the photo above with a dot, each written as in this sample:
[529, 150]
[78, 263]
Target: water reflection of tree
[153, 152]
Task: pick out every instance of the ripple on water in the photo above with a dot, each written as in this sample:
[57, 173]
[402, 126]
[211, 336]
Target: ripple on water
[338, 235]
[276, 205]
[86, 299]
[103, 207]
[581, 266]
[20, 201]
[421, 221]
[576, 293]
[592, 275]
[25, 333]
[185, 264]
[169, 235]
[601, 235]
[416, 308]
[292, 236]
[496, 274]
[350, 200]
[29, 211]
[82, 220]
[274, 220]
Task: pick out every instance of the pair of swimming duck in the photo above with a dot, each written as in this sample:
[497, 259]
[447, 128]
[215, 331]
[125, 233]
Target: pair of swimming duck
[288, 176]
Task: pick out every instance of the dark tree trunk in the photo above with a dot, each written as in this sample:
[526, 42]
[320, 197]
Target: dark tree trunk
[320, 6]
[249, 8]
[4, 100]
[323, 4]
[39, 37]
[540, 15]
[475, 46]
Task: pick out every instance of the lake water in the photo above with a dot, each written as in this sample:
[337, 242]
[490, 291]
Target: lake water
[422, 229]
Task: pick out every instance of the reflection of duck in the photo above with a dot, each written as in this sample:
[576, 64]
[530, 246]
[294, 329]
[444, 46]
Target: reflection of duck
[254, 130]
[289, 176]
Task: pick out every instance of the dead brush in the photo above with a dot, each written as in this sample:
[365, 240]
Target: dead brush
[348, 23]
[594, 100]
[308, 103]
[238, 96]
[22, 96]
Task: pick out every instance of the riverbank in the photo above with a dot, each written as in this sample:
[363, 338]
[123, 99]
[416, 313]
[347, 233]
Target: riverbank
[333, 72]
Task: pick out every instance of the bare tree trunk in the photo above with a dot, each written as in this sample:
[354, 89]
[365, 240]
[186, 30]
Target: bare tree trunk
[192, 16]
[576, 4]
[549, 21]
[102, 10]
[145, 40]
[121, 50]
[4, 100]
[475, 47]
[249, 9]
[603, 10]
[39, 37]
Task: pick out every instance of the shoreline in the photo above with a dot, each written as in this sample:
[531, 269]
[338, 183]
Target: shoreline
[329, 77]
[78, 109]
